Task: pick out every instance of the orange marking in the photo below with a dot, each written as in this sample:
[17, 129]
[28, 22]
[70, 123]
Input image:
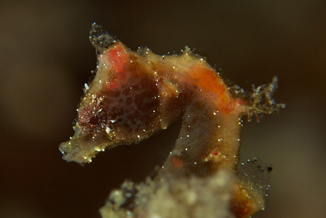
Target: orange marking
[207, 80]
[113, 83]
[177, 162]
[118, 57]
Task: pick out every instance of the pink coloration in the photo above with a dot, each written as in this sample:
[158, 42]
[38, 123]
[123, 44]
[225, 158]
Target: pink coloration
[118, 58]
[112, 84]
[136, 94]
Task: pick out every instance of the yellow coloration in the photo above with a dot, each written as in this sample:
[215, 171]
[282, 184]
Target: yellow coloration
[136, 94]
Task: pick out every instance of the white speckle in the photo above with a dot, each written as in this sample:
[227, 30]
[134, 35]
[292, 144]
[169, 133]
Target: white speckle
[138, 136]
[195, 163]
[186, 149]
[188, 136]
[170, 152]
[173, 67]
[100, 81]
[218, 126]
[107, 130]
[239, 140]
[220, 139]
[130, 87]
[86, 86]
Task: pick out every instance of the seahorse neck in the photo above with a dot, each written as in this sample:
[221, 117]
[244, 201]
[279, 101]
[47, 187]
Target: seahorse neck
[208, 140]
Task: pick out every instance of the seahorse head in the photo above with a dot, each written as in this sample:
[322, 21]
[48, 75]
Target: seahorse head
[120, 106]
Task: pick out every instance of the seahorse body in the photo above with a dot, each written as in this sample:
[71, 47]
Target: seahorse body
[136, 94]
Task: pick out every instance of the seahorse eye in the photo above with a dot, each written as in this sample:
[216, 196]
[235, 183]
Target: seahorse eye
[94, 120]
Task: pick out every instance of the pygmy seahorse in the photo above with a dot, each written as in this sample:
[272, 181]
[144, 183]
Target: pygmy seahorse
[136, 94]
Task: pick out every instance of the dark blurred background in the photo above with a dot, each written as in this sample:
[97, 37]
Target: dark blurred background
[45, 58]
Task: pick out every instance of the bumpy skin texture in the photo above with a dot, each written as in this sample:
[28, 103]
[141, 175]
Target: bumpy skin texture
[136, 94]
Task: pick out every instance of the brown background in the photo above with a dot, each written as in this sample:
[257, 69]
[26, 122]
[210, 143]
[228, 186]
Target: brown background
[45, 58]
